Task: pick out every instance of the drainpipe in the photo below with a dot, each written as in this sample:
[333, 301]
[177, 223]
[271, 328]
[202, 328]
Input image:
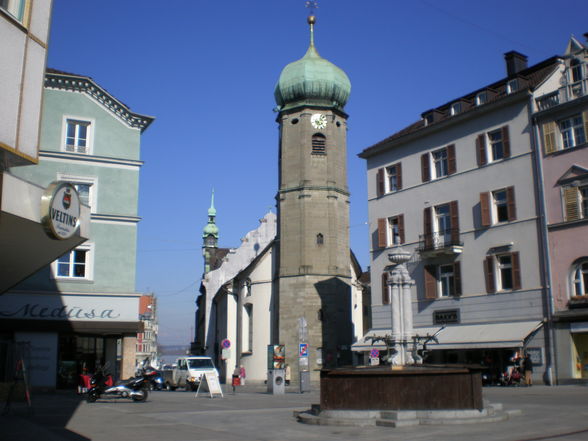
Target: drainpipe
[551, 367]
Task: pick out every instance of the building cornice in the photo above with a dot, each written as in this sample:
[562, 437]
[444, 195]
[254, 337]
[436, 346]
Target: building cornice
[89, 158]
[78, 83]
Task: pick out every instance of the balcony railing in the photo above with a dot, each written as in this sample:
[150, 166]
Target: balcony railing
[568, 92]
[441, 242]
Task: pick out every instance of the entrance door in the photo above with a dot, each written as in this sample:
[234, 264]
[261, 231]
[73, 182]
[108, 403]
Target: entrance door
[580, 360]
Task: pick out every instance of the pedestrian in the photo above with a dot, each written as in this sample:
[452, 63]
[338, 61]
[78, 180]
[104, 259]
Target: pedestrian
[242, 375]
[235, 381]
[528, 370]
[287, 375]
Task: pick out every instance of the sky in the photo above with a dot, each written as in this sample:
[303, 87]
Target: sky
[206, 71]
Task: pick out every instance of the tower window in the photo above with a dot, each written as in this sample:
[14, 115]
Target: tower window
[319, 143]
[320, 239]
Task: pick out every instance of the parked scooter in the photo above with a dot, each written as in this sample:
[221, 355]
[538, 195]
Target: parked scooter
[155, 379]
[134, 388]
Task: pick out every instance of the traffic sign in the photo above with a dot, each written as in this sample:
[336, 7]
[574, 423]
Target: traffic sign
[226, 343]
[303, 352]
[374, 353]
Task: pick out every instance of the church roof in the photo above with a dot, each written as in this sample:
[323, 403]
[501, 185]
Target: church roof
[312, 80]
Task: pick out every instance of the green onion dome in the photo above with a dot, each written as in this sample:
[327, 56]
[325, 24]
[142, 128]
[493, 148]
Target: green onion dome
[312, 80]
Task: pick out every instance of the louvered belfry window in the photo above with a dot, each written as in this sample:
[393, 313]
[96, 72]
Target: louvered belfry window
[319, 144]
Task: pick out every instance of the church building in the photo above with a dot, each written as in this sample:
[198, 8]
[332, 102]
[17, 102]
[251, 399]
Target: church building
[294, 280]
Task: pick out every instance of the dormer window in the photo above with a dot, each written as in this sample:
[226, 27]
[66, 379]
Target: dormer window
[576, 71]
[481, 98]
[456, 108]
[512, 86]
[428, 119]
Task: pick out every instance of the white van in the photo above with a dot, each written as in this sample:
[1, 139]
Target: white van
[188, 371]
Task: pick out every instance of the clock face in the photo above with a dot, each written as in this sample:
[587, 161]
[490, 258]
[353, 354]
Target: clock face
[318, 121]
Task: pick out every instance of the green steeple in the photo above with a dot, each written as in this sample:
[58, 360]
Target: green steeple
[211, 229]
[312, 80]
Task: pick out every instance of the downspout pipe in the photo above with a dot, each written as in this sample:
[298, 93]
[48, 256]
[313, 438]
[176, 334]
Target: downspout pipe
[551, 367]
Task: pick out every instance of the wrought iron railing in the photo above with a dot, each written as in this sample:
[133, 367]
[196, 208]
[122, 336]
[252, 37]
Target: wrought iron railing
[564, 94]
[439, 240]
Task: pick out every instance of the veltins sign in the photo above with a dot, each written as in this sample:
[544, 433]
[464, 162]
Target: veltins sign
[60, 210]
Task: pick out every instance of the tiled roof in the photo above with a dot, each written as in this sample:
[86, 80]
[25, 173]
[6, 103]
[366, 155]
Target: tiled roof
[531, 78]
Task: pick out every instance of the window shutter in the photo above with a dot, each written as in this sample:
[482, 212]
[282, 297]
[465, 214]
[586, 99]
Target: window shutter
[430, 282]
[380, 182]
[505, 142]
[453, 212]
[585, 118]
[516, 271]
[385, 295]
[399, 175]
[481, 149]
[571, 203]
[382, 233]
[489, 274]
[425, 168]
[485, 209]
[549, 143]
[510, 204]
[457, 278]
[428, 227]
[451, 161]
[401, 227]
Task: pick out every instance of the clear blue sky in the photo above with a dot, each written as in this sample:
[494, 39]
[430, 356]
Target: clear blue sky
[207, 69]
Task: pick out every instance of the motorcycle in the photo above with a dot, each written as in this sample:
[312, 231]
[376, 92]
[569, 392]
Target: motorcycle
[134, 388]
[155, 379]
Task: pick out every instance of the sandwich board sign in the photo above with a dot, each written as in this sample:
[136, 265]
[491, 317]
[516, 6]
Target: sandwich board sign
[209, 383]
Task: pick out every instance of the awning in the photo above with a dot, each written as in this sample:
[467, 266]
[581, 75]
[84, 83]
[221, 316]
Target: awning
[477, 336]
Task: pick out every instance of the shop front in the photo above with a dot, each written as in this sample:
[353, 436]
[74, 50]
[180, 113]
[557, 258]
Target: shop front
[493, 345]
[61, 336]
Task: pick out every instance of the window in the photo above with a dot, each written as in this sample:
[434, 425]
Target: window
[498, 206]
[247, 328]
[439, 163]
[319, 142]
[75, 264]
[16, 8]
[493, 146]
[441, 226]
[575, 199]
[77, 135]
[86, 187]
[580, 279]
[320, 239]
[390, 231]
[456, 108]
[567, 133]
[386, 289]
[512, 86]
[576, 71]
[442, 281]
[572, 132]
[502, 272]
[481, 98]
[389, 179]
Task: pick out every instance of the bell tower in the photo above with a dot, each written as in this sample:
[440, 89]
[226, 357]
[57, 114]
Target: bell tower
[210, 237]
[313, 212]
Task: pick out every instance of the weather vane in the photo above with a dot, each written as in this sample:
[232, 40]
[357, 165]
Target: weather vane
[312, 5]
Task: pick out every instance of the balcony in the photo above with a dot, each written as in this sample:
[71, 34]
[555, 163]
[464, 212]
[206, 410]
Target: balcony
[564, 94]
[440, 243]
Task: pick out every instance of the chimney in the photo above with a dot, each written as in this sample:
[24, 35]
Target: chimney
[515, 62]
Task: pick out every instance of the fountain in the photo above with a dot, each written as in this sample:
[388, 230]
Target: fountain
[406, 392]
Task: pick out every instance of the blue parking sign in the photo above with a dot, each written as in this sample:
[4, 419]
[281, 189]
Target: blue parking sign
[303, 352]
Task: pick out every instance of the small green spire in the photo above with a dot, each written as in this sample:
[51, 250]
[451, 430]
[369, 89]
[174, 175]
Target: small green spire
[212, 210]
[211, 229]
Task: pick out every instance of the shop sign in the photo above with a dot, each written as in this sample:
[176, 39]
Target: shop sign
[60, 210]
[70, 308]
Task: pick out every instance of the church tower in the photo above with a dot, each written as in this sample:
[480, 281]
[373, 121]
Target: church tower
[313, 212]
[210, 237]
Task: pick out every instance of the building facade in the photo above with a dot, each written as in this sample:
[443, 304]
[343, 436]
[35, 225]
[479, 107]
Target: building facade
[147, 338]
[458, 190]
[561, 128]
[81, 310]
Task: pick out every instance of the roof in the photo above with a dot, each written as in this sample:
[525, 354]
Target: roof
[58, 79]
[530, 77]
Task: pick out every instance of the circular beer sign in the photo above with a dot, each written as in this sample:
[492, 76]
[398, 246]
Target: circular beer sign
[60, 210]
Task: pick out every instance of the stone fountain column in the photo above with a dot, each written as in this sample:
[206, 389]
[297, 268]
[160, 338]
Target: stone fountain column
[401, 307]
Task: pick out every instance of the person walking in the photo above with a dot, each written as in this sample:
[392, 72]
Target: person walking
[242, 375]
[528, 370]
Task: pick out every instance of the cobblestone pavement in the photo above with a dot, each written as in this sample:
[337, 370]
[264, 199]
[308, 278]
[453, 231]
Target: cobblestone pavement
[548, 413]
